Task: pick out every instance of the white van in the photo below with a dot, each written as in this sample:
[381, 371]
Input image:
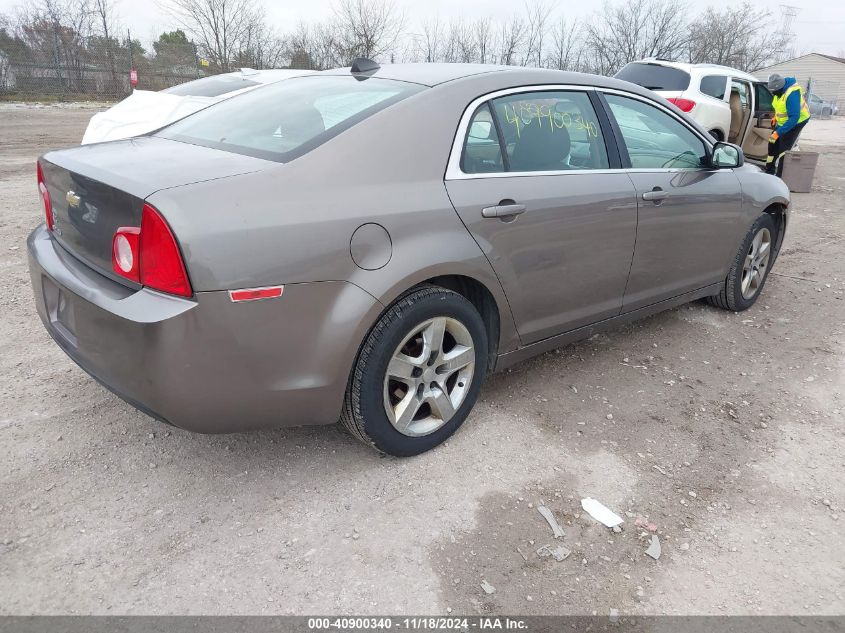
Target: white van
[731, 104]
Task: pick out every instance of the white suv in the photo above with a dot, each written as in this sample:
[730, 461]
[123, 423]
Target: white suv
[731, 104]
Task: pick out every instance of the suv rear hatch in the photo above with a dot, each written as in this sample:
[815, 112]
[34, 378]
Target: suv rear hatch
[655, 76]
[96, 189]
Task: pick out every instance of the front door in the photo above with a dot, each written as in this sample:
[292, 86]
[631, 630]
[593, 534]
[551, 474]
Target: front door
[689, 213]
[558, 226]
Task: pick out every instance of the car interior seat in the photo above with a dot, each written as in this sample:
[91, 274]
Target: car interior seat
[540, 147]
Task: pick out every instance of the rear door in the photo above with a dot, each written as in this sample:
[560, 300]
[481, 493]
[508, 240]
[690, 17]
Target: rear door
[756, 141]
[689, 214]
[534, 181]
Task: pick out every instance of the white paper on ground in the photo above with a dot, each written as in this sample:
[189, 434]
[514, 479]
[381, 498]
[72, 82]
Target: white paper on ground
[600, 513]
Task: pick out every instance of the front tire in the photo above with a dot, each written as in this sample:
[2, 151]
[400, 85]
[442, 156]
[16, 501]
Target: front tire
[750, 267]
[418, 373]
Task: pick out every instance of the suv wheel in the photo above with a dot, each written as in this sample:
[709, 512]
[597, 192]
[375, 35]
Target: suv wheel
[418, 373]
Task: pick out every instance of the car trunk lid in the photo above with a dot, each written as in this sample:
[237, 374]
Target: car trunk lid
[96, 189]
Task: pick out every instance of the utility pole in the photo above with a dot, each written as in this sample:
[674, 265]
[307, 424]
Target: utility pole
[785, 35]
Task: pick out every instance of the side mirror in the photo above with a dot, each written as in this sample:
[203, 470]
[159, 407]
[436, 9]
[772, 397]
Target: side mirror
[726, 156]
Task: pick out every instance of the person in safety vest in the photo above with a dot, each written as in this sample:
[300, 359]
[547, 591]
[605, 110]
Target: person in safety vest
[791, 115]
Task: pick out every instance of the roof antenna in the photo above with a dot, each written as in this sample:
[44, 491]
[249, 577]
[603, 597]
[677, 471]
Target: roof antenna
[364, 65]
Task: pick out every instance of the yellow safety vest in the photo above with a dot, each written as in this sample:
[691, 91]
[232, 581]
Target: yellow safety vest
[779, 104]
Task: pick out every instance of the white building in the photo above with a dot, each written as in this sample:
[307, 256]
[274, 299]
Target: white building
[825, 72]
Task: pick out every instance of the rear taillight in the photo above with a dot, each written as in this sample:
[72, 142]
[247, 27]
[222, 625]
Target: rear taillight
[149, 255]
[45, 198]
[125, 252]
[684, 105]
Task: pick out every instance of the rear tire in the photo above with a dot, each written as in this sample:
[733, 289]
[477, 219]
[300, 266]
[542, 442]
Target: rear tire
[717, 135]
[418, 373]
[750, 267]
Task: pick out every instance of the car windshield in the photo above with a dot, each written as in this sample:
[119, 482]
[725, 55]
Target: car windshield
[285, 120]
[654, 76]
[211, 86]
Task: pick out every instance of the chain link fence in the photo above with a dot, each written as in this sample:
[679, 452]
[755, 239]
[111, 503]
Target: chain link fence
[55, 64]
[824, 97]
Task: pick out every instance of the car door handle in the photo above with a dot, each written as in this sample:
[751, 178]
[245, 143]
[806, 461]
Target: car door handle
[655, 195]
[503, 210]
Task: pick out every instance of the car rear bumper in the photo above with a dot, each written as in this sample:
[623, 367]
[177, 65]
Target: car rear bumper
[205, 364]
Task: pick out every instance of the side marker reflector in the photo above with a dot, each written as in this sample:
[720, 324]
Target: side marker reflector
[254, 294]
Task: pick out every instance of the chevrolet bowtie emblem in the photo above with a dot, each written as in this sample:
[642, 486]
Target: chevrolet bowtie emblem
[72, 199]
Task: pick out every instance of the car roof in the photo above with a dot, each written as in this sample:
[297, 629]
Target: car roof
[427, 74]
[434, 74]
[691, 68]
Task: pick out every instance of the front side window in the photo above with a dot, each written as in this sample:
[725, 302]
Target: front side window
[550, 131]
[764, 98]
[714, 86]
[654, 138]
[285, 120]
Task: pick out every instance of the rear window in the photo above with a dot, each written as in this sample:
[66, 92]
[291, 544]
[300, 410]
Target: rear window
[211, 86]
[714, 85]
[285, 120]
[654, 76]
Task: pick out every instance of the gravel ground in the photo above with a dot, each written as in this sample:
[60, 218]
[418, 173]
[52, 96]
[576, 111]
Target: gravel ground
[724, 431]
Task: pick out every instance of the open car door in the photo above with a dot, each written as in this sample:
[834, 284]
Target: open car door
[756, 142]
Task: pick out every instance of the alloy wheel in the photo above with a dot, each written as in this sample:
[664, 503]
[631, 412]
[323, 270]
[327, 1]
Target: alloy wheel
[428, 376]
[756, 263]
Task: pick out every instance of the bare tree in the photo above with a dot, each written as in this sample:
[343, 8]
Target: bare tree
[511, 37]
[739, 37]
[535, 33]
[567, 50]
[221, 27]
[367, 28]
[56, 33]
[467, 52]
[483, 31]
[104, 14]
[431, 40]
[633, 30]
[260, 47]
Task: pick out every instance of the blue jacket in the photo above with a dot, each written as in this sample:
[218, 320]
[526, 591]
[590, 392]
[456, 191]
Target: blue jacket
[793, 107]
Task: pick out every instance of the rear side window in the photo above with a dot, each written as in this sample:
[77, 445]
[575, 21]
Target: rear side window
[714, 85]
[482, 152]
[211, 86]
[655, 76]
[540, 131]
[285, 120]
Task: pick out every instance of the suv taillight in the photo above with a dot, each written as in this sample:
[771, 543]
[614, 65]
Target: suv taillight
[45, 198]
[149, 255]
[684, 105]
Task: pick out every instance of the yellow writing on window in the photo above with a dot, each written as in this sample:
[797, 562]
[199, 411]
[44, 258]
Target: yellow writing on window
[524, 113]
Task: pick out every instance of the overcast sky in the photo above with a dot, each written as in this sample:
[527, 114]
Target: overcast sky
[819, 26]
